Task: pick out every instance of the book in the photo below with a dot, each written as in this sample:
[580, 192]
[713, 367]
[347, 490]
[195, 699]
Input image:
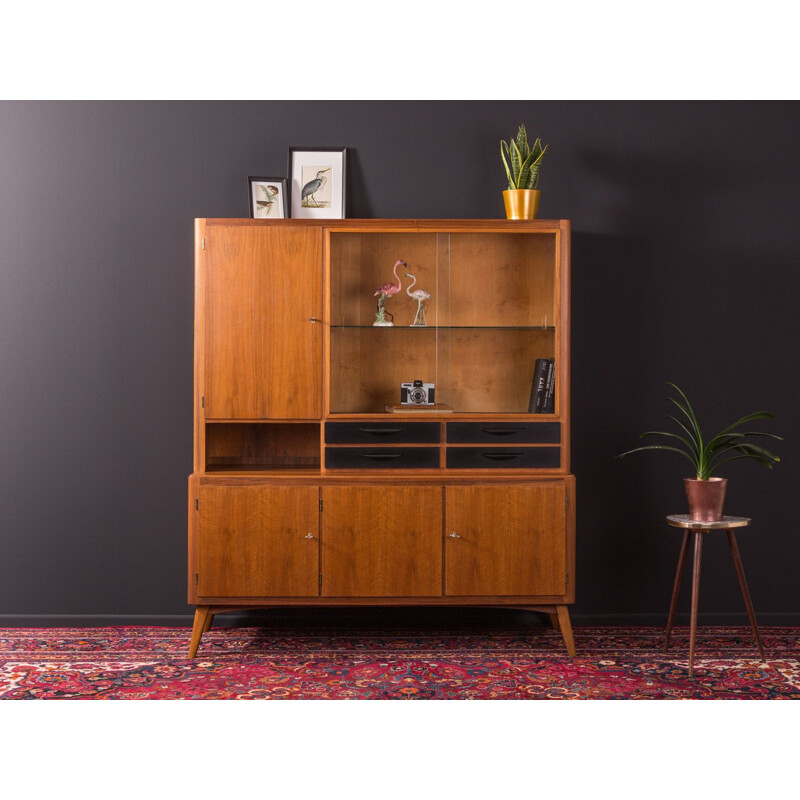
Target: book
[436, 408]
[536, 402]
[549, 404]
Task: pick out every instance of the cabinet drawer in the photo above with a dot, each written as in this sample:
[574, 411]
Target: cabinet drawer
[380, 432]
[503, 457]
[381, 458]
[504, 432]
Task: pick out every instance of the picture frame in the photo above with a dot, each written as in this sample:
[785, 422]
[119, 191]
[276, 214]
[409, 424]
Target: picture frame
[317, 178]
[268, 198]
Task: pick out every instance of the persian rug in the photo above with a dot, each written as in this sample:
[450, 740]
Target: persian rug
[126, 663]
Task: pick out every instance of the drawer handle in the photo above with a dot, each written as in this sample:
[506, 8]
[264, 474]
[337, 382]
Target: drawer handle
[501, 431]
[381, 431]
[454, 535]
[380, 456]
[309, 536]
[502, 456]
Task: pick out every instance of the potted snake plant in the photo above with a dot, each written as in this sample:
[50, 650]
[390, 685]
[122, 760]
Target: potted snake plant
[522, 163]
[706, 492]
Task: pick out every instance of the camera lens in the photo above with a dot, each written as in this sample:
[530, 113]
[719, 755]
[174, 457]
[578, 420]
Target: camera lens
[417, 395]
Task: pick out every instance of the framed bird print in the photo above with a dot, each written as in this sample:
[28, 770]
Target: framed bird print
[268, 198]
[317, 182]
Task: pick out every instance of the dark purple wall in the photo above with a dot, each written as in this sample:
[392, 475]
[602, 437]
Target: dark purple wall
[686, 267]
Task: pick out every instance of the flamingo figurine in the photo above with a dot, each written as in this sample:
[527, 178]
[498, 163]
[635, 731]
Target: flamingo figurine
[420, 295]
[387, 290]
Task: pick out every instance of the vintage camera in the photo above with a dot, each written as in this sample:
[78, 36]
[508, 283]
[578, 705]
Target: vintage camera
[416, 394]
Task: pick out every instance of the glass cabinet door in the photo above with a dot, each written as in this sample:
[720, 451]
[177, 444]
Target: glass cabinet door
[469, 313]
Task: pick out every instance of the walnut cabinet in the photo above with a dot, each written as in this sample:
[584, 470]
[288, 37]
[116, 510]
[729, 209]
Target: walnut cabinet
[312, 485]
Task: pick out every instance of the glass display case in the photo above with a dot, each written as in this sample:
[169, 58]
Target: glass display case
[490, 313]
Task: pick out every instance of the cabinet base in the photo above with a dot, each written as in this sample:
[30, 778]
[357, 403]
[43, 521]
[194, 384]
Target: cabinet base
[558, 614]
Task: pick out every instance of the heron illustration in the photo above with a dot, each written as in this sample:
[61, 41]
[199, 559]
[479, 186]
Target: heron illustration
[387, 290]
[312, 187]
[264, 206]
[420, 295]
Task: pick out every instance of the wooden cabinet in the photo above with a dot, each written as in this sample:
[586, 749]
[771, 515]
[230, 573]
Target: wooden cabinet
[257, 541]
[381, 541]
[310, 485]
[262, 291]
[506, 540]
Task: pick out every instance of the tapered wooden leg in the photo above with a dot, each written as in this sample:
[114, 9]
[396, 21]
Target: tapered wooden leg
[553, 621]
[737, 562]
[562, 614]
[676, 587]
[209, 622]
[200, 618]
[698, 550]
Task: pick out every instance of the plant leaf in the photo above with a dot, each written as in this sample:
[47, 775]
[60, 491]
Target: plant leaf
[524, 173]
[503, 150]
[516, 163]
[657, 447]
[522, 142]
[533, 175]
[689, 433]
[687, 442]
[747, 418]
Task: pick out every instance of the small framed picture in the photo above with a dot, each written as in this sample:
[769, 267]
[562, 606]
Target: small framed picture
[317, 182]
[268, 198]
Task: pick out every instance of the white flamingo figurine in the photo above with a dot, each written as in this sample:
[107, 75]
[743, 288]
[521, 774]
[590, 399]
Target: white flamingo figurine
[420, 295]
[387, 290]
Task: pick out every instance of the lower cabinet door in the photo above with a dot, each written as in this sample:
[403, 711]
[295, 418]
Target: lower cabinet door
[505, 540]
[382, 541]
[255, 541]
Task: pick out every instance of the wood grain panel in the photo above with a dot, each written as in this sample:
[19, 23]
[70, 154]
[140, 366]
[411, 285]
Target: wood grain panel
[501, 279]
[510, 540]
[278, 445]
[361, 263]
[263, 357]
[252, 541]
[490, 370]
[382, 541]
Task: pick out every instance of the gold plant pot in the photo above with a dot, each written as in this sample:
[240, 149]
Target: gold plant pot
[706, 498]
[521, 203]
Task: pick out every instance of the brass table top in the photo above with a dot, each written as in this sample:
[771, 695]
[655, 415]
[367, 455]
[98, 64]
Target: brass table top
[685, 521]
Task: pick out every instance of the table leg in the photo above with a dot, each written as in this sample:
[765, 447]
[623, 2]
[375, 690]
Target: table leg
[200, 617]
[698, 550]
[562, 615]
[737, 562]
[676, 588]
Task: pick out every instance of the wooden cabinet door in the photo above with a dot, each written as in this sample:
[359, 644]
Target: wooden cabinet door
[254, 541]
[509, 540]
[382, 541]
[263, 355]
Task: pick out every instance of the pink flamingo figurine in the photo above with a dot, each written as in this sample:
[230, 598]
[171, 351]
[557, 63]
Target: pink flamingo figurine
[387, 290]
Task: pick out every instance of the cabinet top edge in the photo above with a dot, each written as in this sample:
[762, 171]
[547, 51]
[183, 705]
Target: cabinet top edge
[377, 223]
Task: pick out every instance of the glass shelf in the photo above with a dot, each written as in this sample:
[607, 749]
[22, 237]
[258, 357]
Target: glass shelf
[453, 327]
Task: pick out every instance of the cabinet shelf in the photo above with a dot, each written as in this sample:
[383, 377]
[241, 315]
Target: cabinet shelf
[450, 327]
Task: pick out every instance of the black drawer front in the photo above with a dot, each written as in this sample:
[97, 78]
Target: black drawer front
[503, 457]
[504, 432]
[380, 432]
[381, 458]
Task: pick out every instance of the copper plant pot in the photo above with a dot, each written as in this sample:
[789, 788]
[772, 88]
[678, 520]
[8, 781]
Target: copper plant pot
[521, 203]
[705, 498]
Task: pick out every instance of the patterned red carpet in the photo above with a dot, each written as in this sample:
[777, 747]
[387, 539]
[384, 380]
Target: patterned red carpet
[254, 663]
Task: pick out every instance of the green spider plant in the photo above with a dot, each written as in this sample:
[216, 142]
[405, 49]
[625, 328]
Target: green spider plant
[706, 457]
[522, 162]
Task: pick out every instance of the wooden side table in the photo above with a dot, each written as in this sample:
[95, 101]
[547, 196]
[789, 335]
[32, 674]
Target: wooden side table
[696, 530]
